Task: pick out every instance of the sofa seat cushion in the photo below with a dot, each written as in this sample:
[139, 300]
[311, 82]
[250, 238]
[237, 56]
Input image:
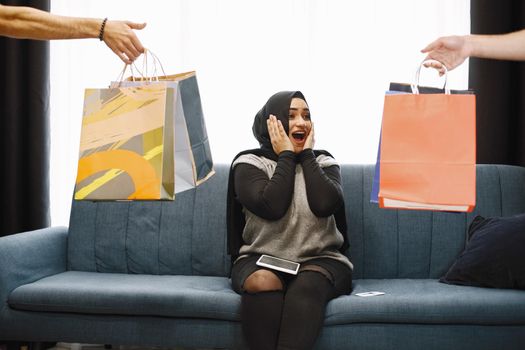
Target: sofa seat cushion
[127, 294]
[421, 301]
[427, 301]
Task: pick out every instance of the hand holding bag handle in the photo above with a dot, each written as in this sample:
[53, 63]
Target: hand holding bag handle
[415, 86]
[427, 151]
[143, 74]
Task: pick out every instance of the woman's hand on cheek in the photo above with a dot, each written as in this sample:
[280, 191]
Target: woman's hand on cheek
[280, 141]
[310, 139]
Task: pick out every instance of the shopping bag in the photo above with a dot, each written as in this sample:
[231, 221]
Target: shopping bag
[428, 150]
[374, 194]
[192, 152]
[125, 148]
[143, 139]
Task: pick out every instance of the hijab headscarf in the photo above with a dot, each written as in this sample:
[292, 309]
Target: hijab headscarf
[278, 105]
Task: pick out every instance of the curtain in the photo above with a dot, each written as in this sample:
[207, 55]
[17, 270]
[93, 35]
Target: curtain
[24, 131]
[499, 86]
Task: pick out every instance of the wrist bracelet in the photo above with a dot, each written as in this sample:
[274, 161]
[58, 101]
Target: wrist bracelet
[101, 33]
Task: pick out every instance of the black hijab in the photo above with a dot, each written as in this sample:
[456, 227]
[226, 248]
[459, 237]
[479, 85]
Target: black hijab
[278, 105]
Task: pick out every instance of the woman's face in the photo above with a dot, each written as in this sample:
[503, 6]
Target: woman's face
[299, 123]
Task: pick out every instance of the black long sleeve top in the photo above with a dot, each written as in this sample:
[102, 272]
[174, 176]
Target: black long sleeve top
[270, 198]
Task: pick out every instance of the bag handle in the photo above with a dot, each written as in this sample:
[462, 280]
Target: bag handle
[143, 74]
[415, 89]
[145, 66]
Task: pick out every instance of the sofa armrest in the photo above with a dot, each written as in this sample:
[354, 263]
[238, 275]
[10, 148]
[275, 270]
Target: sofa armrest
[29, 256]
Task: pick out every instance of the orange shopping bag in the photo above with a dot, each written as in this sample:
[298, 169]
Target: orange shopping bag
[428, 152]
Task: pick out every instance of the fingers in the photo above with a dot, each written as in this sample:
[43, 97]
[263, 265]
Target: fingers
[432, 46]
[311, 133]
[278, 137]
[131, 46]
[440, 67]
[280, 128]
[310, 139]
[137, 45]
[121, 38]
[121, 55]
[131, 52]
[270, 122]
[433, 64]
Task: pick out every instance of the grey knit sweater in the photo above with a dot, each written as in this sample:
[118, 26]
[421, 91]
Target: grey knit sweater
[299, 235]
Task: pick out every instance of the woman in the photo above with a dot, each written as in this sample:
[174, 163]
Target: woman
[285, 200]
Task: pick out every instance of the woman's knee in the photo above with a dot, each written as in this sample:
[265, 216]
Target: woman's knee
[262, 281]
[311, 285]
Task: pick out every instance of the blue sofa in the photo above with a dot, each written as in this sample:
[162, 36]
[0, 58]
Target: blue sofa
[156, 274]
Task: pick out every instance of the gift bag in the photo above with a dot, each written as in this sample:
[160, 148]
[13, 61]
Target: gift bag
[374, 194]
[192, 152]
[428, 150]
[125, 148]
[143, 139]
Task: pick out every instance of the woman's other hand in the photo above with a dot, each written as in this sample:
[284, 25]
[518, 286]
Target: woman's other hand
[310, 139]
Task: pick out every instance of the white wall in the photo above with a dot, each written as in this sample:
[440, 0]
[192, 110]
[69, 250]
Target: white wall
[342, 54]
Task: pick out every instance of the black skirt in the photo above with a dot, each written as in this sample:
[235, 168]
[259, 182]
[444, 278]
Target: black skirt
[338, 273]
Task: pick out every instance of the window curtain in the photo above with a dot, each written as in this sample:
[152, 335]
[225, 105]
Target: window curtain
[24, 131]
[499, 86]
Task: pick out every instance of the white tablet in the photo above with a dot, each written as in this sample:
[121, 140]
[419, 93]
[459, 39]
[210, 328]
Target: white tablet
[279, 264]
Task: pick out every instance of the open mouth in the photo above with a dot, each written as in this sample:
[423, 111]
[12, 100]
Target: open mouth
[299, 136]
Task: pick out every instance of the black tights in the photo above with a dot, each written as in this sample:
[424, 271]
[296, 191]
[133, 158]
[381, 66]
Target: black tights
[287, 320]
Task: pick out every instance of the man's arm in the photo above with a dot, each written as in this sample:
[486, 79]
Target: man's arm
[29, 23]
[509, 46]
[453, 50]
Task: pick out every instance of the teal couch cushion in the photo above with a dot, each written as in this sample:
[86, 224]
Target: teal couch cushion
[427, 301]
[405, 300]
[126, 294]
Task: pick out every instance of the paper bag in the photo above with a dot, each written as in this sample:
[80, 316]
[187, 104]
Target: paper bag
[126, 147]
[193, 159]
[428, 151]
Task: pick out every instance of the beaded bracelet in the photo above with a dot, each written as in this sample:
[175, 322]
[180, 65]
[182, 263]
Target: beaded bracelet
[101, 33]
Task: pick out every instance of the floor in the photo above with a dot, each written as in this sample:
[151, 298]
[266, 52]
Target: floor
[76, 346]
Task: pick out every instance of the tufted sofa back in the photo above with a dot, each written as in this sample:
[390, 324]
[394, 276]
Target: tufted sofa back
[188, 236]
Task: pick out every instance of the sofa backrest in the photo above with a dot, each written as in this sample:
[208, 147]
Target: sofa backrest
[188, 236]
[389, 243]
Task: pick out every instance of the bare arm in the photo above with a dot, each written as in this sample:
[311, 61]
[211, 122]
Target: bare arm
[453, 50]
[29, 23]
[509, 46]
